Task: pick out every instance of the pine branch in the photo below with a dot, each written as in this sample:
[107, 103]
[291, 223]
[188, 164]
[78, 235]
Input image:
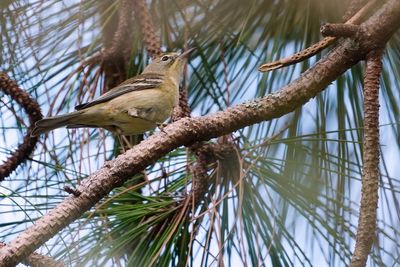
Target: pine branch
[377, 30]
[370, 181]
[150, 38]
[38, 260]
[31, 107]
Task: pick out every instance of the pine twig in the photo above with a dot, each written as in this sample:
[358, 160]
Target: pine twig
[370, 178]
[150, 38]
[31, 107]
[315, 48]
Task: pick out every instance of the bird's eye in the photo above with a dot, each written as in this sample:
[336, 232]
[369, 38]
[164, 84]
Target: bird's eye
[165, 58]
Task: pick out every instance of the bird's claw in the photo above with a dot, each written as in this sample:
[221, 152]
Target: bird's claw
[161, 126]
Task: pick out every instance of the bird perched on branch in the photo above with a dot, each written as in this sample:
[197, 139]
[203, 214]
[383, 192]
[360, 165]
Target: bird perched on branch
[135, 106]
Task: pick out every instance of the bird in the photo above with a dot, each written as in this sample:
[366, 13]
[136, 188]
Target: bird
[135, 106]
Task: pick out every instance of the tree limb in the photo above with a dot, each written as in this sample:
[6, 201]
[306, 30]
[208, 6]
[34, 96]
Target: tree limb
[370, 179]
[39, 260]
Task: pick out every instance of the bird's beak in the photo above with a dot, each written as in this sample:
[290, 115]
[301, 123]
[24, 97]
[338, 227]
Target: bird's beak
[186, 53]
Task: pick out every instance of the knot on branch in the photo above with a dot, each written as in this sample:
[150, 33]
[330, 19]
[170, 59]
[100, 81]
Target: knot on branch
[360, 34]
[31, 107]
[367, 43]
[339, 30]
[73, 191]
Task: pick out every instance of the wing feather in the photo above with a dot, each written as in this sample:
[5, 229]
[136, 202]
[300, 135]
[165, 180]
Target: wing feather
[137, 83]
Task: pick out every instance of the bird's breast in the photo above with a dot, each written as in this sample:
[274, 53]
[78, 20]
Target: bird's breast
[140, 111]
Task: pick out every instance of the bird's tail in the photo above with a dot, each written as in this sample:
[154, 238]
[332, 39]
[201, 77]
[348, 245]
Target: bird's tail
[51, 123]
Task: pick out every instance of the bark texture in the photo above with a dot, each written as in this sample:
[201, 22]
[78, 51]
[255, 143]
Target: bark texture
[39, 260]
[370, 180]
[339, 30]
[31, 107]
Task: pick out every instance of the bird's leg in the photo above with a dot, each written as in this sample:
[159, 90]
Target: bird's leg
[121, 143]
[123, 140]
[134, 112]
[127, 142]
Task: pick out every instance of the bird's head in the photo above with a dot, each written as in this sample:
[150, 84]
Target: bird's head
[170, 63]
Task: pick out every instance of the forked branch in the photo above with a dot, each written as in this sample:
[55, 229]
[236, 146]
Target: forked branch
[317, 47]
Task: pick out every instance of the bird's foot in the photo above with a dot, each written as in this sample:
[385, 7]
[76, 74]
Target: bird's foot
[161, 126]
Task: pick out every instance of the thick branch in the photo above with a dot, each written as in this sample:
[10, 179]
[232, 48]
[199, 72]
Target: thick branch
[38, 260]
[370, 180]
[189, 130]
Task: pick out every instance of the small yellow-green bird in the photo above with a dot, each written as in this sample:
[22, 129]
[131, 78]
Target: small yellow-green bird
[135, 106]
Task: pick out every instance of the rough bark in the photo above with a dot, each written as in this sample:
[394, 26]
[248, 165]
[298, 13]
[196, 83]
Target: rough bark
[31, 107]
[370, 180]
[186, 131]
[39, 260]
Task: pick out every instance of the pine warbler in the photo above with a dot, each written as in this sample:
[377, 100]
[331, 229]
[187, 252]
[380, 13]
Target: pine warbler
[135, 106]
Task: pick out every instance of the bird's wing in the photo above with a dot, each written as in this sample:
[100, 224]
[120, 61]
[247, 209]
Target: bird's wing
[137, 83]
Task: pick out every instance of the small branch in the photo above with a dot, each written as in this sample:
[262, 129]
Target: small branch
[72, 191]
[315, 48]
[370, 181]
[200, 182]
[150, 38]
[120, 40]
[353, 7]
[31, 107]
[119, 45]
[114, 57]
[339, 30]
